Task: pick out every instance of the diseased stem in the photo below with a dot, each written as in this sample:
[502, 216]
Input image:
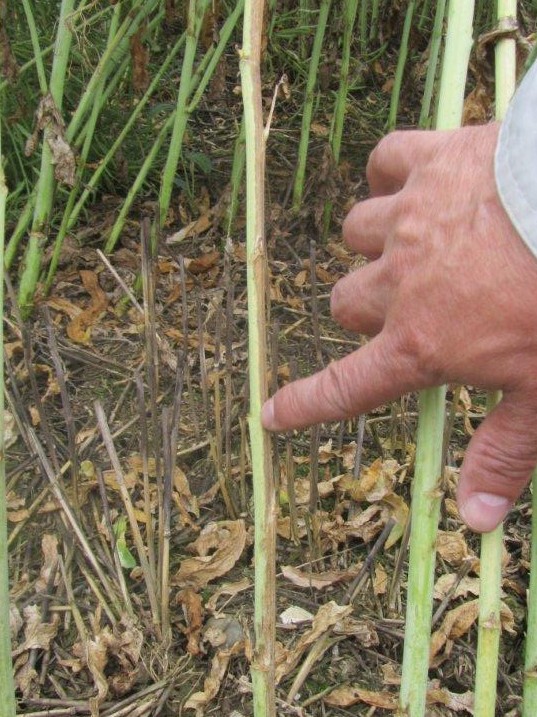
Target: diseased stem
[256, 261]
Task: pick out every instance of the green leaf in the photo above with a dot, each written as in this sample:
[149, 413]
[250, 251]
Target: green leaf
[126, 558]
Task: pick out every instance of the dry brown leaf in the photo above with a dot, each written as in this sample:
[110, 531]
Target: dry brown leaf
[227, 539]
[195, 228]
[211, 685]
[191, 602]
[230, 589]
[452, 548]
[456, 623]
[348, 695]
[380, 580]
[391, 674]
[467, 585]
[49, 548]
[327, 616]
[37, 634]
[283, 528]
[50, 122]
[319, 581]
[79, 328]
[452, 700]
[15, 621]
[361, 630]
[140, 61]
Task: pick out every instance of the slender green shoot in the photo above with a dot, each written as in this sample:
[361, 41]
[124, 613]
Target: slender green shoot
[434, 54]
[263, 663]
[426, 486]
[401, 63]
[196, 11]
[307, 110]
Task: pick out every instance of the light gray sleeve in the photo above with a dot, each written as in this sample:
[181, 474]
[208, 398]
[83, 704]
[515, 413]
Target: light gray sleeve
[516, 160]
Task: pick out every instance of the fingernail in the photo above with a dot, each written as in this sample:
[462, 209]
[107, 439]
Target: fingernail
[267, 415]
[484, 511]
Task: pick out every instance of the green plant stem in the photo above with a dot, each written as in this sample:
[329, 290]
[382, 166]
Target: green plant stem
[350, 10]
[7, 688]
[112, 56]
[373, 25]
[401, 62]
[88, 138]
[426, 490]
[38, 55]
[307, 110]
[224, 36]
[529, 704]
[364, 7]
[263, 663]
[45, 184]
[434, 53]
[489, 625]
[195, 16]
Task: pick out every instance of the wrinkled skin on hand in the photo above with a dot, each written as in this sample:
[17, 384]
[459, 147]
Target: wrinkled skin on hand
[449, 296]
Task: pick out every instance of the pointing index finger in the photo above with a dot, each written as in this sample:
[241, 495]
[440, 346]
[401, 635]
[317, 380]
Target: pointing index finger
[361, 381]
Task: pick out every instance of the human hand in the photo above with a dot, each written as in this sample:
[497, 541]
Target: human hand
[450, 296]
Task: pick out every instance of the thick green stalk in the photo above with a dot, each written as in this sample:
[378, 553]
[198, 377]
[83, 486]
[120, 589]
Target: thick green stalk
[489, 626]
[46, 182]
[434, 53]
[88, 138]
[7, 688]
[529, 704]
[196, 10]
[112, 55]
[263, 663]
[307, 110]
[401, 62]
[426, 496]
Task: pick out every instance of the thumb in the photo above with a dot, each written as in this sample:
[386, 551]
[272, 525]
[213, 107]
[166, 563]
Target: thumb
[498, 463]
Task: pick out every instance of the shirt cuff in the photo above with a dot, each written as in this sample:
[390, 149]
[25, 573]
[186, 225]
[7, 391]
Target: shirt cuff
[516, 160]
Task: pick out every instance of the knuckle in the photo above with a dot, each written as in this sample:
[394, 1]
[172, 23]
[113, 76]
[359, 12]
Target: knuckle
[418, 349]
[383, 150]
[334, 391]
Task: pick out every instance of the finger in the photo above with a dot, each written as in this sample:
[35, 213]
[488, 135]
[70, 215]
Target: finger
[368, 225]
[359, 300]
[361, 381]
[498, 464]
[395, 156]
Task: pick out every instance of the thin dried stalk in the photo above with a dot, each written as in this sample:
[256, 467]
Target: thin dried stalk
[127, 502]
